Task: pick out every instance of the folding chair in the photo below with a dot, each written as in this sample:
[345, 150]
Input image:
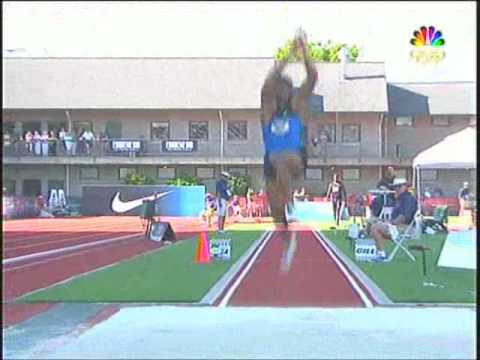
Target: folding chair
[399, 237]
[439, 218]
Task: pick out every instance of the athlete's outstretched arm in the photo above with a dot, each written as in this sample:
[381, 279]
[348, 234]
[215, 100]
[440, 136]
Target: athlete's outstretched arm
[306, 89]
[269, 90]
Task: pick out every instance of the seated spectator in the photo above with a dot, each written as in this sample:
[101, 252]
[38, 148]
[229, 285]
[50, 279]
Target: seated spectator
[37, 143]
[210, 208]
[236, 208]
[402, 215]
[299, 195]
[463, 197]
[251, 204]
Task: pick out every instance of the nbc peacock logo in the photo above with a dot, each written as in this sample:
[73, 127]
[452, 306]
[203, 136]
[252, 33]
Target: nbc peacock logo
[428, 45]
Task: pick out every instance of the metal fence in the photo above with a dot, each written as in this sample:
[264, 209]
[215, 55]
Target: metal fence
[211, 148]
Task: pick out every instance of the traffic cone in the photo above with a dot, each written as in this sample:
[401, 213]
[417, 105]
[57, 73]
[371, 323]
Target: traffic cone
[202, 255]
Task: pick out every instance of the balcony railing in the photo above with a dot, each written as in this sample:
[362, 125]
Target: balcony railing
[211, 148]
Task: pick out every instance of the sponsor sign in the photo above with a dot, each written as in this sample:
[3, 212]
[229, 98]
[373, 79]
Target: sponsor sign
[365, 249]
[221, 249]
[126, 145]
[98, 200]
[179, 145]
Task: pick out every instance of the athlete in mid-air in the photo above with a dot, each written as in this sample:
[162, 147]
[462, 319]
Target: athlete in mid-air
[282, 115]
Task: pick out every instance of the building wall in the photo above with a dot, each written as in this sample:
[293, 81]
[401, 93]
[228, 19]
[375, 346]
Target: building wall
[423, 133]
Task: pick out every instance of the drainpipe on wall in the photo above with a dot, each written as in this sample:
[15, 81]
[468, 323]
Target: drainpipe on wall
[69, 119]
[67, 180]
[220, 115]
[380, 142]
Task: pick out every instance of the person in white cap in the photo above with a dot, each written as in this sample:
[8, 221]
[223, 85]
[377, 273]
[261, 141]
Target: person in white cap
[223, 194]
[402, 215]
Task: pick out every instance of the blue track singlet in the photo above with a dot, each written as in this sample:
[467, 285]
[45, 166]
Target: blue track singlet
[284, 133]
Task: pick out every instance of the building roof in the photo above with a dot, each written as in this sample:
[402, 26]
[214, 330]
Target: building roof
[179, 83]
[439, 98]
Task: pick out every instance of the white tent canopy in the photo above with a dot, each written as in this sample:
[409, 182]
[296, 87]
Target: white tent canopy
[456, 151]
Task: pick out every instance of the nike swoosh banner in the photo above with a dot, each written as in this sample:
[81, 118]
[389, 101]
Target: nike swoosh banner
[128, 199]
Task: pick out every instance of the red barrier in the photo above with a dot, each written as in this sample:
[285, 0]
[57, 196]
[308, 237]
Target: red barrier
[452, 202]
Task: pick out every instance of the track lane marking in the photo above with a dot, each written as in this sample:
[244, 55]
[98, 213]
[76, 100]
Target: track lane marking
[347, 275]
[66, 249]
[245, 271]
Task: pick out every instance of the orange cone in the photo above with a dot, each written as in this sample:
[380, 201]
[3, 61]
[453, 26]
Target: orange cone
[202, 255]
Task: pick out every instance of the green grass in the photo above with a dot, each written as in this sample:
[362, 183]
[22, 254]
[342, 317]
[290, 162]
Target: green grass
[402, 280]
[168, 275]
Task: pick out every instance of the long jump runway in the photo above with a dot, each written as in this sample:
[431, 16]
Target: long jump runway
[315, 278]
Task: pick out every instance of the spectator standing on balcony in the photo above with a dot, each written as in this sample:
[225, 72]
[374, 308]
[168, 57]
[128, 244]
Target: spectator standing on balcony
[52, 142]
[70, 143]
[337, 194]
[88, 138]
[29, 141]
[37, 143]
[44, 142]
[61, 138]
[463, 197]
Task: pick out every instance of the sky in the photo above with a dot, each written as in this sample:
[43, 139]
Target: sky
[245, 29]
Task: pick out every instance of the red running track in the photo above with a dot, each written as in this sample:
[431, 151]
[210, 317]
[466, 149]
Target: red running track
[314, 279]
[31, 236]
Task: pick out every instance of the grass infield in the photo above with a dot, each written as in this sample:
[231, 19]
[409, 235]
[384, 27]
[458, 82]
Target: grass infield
[402, 280]
[167, 275]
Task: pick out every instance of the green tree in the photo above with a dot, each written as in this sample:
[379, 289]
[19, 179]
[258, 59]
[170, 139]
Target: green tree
[138, 179]
[328, 52]
[239, 184]
[184, 180]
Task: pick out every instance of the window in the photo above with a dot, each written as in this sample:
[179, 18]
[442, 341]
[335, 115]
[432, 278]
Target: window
[32, 187]
[57, 125]
[473, 121]
[89, 173]
[401, 173]
[327, 130]
[238, 171]
[31, 126]
[124, 171]
[79, 125]
[166, 172]
[198, 130]
[350, 133]
[351, 174]
[429, 175]
[404, 121]
[205, 172]
[160, 130]
[440, 121]
[237, 130]
[314, 174]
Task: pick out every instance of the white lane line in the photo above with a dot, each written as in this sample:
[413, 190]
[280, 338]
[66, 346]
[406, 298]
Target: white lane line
[49, 259]
[245, 271]
[347, 275]
[66, 249]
